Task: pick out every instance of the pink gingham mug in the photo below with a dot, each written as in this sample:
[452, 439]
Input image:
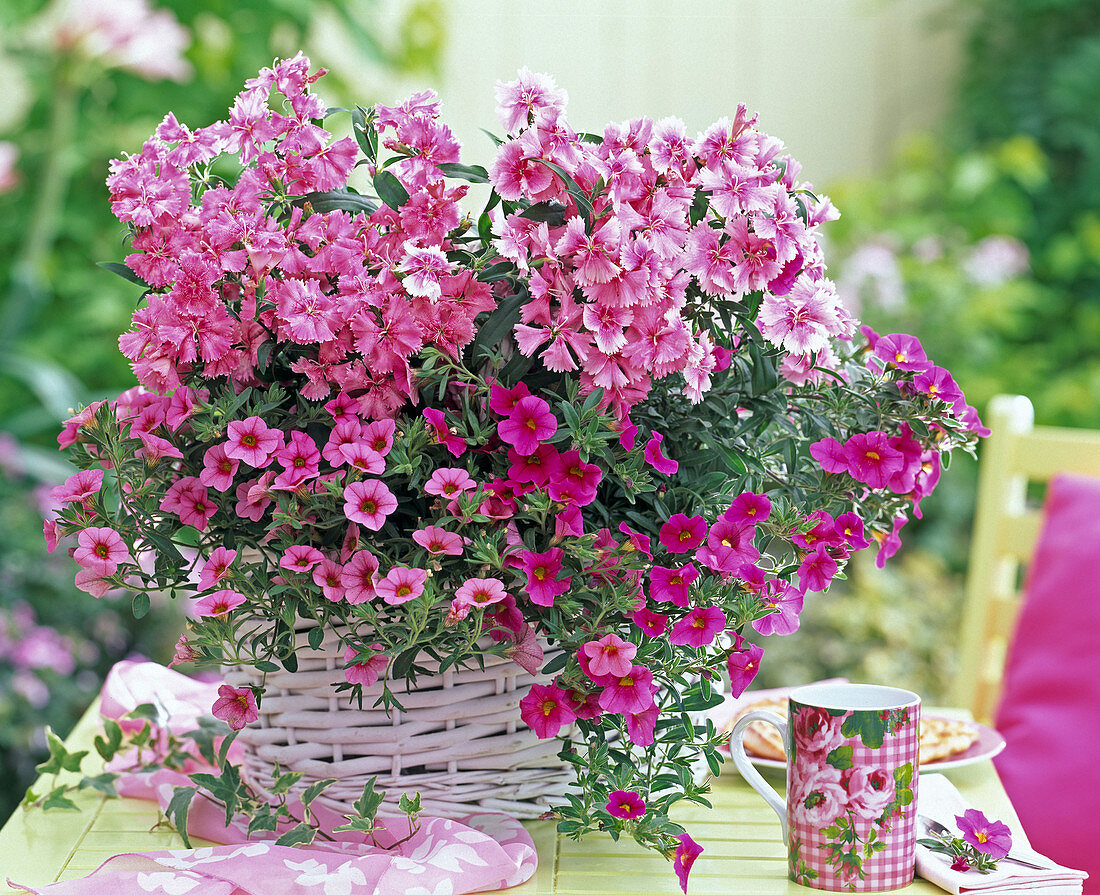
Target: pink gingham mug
[850, 814]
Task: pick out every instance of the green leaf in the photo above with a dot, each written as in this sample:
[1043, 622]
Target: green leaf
[108, 747]
[903, 776]
[868, 726]
[60, 758]
[284, 781]
[141, 604]
[390, 189]
[367, 805]
[177, 810]
[841, 758]
[696, 701]
[301, 834]
[316, 636]
[123, 271]
[57, 800]
[315, 789]
[223, 749]
[472, 173]
[404, 662]
[580, 197]
[341, 200]
[409, 806]
[104, 783]
[553, 213]
[290, 662]
[263, 822]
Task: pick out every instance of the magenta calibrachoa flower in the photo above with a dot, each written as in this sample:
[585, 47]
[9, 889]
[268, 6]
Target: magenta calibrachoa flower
[627, 805]
[608, 427]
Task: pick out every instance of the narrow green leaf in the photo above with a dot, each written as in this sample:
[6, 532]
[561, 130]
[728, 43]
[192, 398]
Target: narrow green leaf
[472, 173]
[390, 189]
[123, 271]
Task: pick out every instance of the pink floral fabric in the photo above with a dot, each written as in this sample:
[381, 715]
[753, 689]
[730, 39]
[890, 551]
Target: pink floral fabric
[851, 798]
[480, 852]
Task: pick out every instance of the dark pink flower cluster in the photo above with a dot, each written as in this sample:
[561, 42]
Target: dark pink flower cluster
[244, 272]
[613, 279]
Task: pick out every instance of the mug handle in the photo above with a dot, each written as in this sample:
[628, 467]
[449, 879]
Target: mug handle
[748, 770]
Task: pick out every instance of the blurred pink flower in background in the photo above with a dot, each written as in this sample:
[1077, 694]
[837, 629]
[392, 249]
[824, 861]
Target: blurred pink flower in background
[9, 177]
[125, 34]
[996, 259]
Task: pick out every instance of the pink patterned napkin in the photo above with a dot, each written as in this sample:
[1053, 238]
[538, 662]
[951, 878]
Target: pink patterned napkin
[479, 852]
[941, 801]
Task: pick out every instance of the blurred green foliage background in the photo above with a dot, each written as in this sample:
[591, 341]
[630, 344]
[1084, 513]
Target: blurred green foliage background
[982, 238]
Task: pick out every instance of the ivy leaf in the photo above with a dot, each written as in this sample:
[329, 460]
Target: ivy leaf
[315, 789]
[104, 783]
[408, 805]
[60, 758]
[390, 189]
[108, 746]
[367, 805]
[58, 801]
[177, 810]
[300, 834]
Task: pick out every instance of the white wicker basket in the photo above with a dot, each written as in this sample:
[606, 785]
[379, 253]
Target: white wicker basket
[459, 743]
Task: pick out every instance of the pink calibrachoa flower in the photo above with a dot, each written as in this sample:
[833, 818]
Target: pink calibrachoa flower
[546, 709]
[743, 665]
[80, 487]
[574, 481]
[379, 436]
[100, 550]
[369, 503]
[300, 460]
[300, 558]
[609, 656]
[871, 459]
[748, 509]
[216, 567]
[990, 837]
[480, 592]
[252, 442]
[328, 575]
[889, 543]
[218, 469]
[236, 706]
[360, 577]
[189, 500]
[786, 603]
[438, 540]
[365, 670]
[444, 435]
[699, 627]
[682, 533]
[631, 693]
[218, 603]
[641, 727]
[93, 584]
[449, 482]
[401, 584]
[656, 459]
[850, 527]
[672, 585]
[817, 570]
[686, 853]
[902, 351]
[542, 575]
[363, 458]
[652, 623]
[502, 401]
[530, 422]
[830, 454]
[625, 804]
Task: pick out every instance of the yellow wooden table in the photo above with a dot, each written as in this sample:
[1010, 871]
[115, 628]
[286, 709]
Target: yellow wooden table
[743, 852]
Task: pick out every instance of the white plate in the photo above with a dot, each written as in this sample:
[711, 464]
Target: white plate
[988, 744]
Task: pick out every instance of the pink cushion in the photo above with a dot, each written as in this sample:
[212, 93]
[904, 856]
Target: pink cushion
[1050, 708]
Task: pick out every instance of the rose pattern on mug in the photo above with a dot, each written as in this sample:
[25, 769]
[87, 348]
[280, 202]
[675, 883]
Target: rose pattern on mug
[852, 790]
